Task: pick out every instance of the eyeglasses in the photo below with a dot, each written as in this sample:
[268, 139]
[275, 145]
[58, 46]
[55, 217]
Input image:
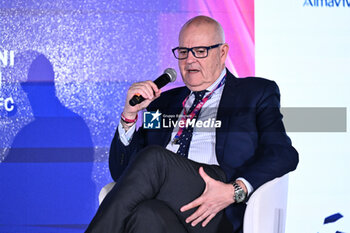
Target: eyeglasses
[199, 52]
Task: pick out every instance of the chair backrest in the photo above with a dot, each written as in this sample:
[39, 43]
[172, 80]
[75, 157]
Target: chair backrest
[104, 191]
[266, 208]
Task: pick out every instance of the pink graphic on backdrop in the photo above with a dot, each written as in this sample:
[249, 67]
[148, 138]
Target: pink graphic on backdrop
[237, 19]
[235, 16]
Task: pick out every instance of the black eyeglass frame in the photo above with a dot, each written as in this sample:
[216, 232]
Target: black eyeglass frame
[191, 49]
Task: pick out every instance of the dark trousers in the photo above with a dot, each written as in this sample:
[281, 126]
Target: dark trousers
[151, 192]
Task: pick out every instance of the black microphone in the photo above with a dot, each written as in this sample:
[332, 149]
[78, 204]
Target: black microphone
[169, 75]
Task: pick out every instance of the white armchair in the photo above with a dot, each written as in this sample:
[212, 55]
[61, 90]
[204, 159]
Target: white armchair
[104, 191]
[266, 208]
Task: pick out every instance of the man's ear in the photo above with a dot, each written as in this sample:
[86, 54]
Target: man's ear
[223, 52]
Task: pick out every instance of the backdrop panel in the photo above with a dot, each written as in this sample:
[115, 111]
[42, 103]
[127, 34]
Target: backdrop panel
[65, 67]
[304, 46]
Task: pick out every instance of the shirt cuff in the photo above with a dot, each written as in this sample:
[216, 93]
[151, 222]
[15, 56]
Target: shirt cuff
[247, 185]
[126, 136]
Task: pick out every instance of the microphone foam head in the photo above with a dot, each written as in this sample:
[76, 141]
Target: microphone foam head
[172, 74]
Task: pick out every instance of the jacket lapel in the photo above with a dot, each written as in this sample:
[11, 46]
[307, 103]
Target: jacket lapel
[174, 108]
[226, 107]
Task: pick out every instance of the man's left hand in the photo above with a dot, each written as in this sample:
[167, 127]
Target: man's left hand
[216, 197]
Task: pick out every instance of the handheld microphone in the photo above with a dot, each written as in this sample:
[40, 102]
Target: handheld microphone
[169, 75]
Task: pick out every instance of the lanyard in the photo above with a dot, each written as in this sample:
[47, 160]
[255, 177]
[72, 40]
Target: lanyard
[195, 110]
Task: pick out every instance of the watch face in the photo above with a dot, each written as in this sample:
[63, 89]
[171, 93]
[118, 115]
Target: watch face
[240, 197]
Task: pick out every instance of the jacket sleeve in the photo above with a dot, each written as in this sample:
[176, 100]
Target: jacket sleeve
[274, 155]
[121, 155]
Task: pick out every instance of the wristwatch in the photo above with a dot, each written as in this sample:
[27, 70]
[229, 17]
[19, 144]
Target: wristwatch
[240, 195]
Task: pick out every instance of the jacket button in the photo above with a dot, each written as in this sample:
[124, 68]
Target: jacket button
[122, 159]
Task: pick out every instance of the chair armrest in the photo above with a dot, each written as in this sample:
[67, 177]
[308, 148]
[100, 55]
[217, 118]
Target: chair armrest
[266, 208]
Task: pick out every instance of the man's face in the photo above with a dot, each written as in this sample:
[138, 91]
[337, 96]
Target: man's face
[199, 73]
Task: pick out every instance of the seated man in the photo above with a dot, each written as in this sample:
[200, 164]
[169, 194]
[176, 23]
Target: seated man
[186, 179]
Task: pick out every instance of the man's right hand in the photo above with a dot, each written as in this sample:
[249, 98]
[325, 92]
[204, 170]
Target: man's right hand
[148, 90]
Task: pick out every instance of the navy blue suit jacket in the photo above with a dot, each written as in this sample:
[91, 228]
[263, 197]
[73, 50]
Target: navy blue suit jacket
[251, 142]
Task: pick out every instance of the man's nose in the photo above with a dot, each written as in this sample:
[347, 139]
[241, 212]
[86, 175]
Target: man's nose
[191, 58]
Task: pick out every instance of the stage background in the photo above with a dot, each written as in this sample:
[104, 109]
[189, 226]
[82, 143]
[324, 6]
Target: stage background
[65, 67]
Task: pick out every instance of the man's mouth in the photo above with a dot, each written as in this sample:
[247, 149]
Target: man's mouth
[192, 70]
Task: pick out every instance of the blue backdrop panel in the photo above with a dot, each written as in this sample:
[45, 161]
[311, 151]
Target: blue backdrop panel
[73, 63]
